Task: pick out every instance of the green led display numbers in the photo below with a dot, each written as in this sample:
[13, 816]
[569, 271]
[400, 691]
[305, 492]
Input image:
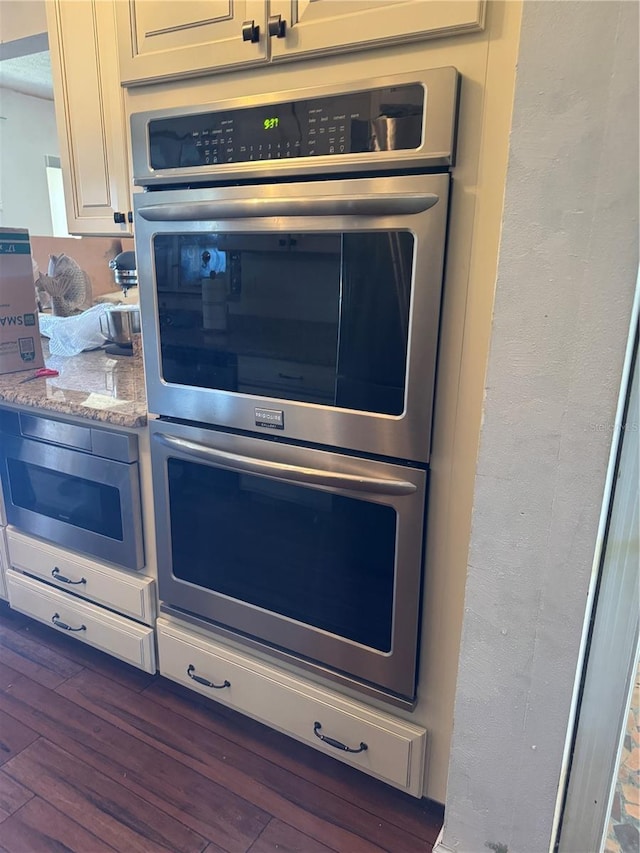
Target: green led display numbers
[270, 123]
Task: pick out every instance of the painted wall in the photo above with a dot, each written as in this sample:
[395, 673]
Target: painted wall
[27, 134]
[566, 277]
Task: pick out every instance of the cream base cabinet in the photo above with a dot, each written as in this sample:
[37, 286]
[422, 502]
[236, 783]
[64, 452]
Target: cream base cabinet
[90, 116]
[98, 627]
[128, 593]
[160, 40]
[109, 608]
[372, 741]
[337, 26]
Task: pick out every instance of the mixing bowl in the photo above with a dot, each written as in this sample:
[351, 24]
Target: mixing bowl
[120, 323]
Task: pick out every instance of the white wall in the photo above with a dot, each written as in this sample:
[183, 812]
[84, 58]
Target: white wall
[27, 134]
[566, 276]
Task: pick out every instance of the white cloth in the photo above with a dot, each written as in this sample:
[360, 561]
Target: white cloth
[72, 335]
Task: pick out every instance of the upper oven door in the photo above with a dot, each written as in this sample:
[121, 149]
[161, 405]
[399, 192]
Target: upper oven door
[311, 309]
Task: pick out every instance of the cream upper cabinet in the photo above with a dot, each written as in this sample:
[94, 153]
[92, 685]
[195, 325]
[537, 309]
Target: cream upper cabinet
[302, 27]
[90, 116]
[161, 40]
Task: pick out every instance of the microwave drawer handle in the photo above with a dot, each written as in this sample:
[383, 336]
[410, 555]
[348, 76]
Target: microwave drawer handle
[388, 204]
[291, 473]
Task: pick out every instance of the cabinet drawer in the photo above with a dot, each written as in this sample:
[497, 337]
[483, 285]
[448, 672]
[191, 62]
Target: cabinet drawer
[88, 623]
[123, 591]
[395, 750]
[257, 374]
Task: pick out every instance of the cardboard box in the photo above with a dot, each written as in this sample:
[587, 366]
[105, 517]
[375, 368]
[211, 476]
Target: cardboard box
[20, 347]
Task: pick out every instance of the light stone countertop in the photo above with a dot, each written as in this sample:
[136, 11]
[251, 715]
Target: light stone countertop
[92, 385]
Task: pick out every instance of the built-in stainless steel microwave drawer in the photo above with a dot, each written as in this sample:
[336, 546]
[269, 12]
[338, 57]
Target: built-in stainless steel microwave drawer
[81, 492]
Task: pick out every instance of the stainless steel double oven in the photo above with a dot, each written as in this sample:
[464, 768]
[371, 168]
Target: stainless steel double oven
[290, 256]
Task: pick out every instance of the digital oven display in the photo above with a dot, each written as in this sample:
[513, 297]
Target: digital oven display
[382, 119]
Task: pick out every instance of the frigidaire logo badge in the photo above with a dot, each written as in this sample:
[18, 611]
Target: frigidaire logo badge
[18, 320]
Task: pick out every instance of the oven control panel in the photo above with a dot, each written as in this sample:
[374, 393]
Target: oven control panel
[389, 118]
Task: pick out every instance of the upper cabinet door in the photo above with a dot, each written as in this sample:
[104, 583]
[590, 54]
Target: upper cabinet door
[90, 116]
[160, 39]
[301, 27]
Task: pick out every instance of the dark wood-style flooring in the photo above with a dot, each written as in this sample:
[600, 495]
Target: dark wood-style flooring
[97, 756]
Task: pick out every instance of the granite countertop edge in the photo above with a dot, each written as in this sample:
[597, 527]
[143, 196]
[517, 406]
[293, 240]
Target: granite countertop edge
[91, 385]
[39, 401]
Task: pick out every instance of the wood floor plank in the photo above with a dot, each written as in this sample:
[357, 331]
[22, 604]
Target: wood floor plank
[138, 755]
[86, 656]
[39, 828]
[14, 736]
[208, 808]
[421, 817]
[315, 811]
[13, 796]
[33, 658]
[212, 847]
[11, 617]
[281, 837]
[119, 817]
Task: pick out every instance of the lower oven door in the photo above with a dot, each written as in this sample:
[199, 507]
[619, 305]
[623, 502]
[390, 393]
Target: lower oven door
[74, 499]
[315, 554]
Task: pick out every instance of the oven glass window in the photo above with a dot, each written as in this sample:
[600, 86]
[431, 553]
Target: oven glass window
[322, 559]
[313, 317]
[82, 503]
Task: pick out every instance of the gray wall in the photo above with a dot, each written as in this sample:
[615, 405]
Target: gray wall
[566, 277]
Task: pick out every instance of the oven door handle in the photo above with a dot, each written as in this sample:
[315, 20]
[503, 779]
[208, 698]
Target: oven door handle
[281, 471]
[370, 204]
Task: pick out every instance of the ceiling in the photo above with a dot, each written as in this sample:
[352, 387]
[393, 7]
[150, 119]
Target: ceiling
[30, 74]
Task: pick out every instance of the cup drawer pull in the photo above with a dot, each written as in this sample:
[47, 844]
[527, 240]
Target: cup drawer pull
[60, 624]
[57, 576]
[204, 681]
[336, 743]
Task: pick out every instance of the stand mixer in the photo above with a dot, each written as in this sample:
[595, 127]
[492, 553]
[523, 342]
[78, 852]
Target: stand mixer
[124, 270]
[122, 322]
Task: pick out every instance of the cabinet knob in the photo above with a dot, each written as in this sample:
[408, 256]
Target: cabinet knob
[250, 31]
[277, 26]
[119, 218]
